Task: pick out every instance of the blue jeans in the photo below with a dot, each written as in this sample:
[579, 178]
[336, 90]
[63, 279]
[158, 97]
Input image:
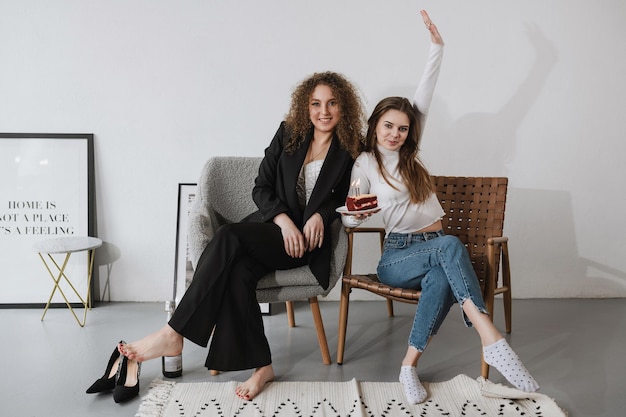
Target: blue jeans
[440, 267]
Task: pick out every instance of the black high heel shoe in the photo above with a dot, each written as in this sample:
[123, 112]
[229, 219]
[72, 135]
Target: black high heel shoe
[107, 382]
[123, 393]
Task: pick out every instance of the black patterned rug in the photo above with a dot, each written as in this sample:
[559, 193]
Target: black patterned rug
[460, 396]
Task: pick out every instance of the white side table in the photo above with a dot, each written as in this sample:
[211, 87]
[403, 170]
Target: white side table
[67, 246]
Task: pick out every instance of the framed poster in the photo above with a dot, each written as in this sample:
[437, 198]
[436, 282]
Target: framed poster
[46, 191]
[183, 270]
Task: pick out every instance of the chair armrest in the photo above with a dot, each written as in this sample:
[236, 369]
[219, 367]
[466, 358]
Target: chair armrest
[496, 256]
[497, 240]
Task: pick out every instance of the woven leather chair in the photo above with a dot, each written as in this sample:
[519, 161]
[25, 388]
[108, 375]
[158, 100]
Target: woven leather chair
[224, 195]
[474, 208]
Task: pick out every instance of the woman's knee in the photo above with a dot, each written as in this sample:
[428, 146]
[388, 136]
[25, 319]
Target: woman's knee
[451, 241]
[452, 245]
[436, 282]
[227, 232]
[224, 229]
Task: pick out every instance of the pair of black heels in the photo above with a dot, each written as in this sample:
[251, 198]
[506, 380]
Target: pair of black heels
[117, 381]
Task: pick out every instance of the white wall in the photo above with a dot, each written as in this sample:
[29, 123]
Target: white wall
[532, 90]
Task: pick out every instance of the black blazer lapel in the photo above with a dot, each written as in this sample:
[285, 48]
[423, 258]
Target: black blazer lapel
[322, 185]
[331, 175]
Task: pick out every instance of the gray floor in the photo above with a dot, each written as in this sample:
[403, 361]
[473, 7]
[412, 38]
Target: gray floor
[574, 348]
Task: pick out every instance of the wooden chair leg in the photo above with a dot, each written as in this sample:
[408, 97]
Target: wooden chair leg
[291, 319]
[343, 321]
[507, 298]
[484, 368]
[389, 307]
[319, 327]
[506, 282]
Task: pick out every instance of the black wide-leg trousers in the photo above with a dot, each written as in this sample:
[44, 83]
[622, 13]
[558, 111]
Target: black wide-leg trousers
[221, 299]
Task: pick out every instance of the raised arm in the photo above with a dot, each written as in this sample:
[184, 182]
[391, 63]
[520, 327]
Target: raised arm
[426, 87]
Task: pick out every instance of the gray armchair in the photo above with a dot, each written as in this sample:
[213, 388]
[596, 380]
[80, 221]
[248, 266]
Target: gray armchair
[224, 195]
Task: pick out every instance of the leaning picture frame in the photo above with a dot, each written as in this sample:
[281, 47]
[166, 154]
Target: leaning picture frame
[183, 269]
[47, 190]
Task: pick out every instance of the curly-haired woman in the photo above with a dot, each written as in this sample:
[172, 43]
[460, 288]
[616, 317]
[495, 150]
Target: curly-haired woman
[302, 179]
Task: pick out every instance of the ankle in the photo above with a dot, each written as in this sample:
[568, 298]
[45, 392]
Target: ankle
[492, 342]
[411, 357]
[169, 333]
[265, 373]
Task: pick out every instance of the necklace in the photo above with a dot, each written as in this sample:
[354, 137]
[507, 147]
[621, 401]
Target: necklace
[311, 159]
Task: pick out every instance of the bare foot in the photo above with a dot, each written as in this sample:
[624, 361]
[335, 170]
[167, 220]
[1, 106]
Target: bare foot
[165, 342]
[251, 388]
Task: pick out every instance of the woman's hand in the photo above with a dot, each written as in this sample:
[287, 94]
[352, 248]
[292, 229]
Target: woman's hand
[293, 239]
[355, 220]
[314, 232]
[434, 33]
[364, 216]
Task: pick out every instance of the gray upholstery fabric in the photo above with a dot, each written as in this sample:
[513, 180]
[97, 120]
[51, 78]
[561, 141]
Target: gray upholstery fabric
[224, 195]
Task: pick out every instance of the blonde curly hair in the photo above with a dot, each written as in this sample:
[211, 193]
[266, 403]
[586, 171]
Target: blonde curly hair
[351, 124]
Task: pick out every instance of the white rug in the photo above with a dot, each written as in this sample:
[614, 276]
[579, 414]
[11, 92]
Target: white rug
[461, 396]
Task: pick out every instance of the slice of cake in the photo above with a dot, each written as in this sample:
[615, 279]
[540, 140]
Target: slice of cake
[361, 202]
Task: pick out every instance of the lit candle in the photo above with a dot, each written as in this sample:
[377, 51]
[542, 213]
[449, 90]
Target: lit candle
[355, 188]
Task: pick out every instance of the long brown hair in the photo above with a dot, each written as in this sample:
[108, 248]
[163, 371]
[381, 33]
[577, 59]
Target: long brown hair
[351, 124]
[413, 172]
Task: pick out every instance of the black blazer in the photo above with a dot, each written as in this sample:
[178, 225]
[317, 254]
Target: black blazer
[274, 191]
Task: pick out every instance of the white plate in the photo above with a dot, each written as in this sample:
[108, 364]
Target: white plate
[344, 210]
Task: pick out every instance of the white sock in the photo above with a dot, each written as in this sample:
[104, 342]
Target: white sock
[413, 389]
[505, 360]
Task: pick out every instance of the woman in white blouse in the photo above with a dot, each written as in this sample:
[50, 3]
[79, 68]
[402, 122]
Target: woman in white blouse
[417, 254]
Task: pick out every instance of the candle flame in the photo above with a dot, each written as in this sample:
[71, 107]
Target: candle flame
[355, 187]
